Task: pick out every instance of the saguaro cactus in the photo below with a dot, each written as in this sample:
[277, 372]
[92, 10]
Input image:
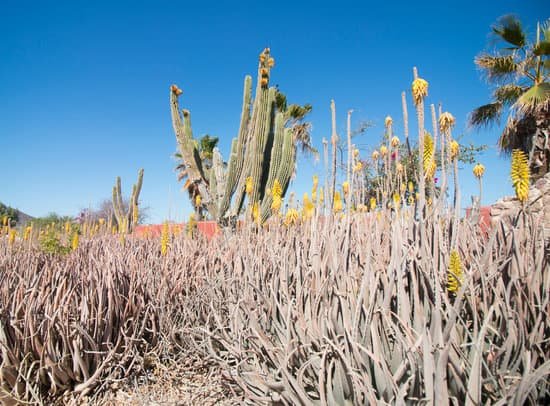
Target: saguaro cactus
[263, 151]
[126, 218]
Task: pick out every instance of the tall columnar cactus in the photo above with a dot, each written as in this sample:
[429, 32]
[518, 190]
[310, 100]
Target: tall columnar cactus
[126, 218]
[263, 151]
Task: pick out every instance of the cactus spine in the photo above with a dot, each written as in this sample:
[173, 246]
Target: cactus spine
[263, 151]
[126, 219]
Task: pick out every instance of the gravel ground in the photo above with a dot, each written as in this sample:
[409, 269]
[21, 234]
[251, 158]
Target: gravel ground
[183, 382]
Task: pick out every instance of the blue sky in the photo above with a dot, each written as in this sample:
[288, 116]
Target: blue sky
[84, 86]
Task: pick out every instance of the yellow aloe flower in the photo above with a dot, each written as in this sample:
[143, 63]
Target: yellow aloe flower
[248, 185]
[383, 150]
[355, 153]
[520, 174]
[292, 216]
[411, 186]
[403, 188]
[455, 149]
[429, 157]
[315, 181]
[101, 221]
[388, 121]
[345, 187]
[276, 190]
[74, 241]
[198, 200]
[27, 233]
[375, 155]
[419, 90]
[446, 122]
[256, 212]
[5, 220]
[397, 200]
[337, 202]
[358, 167]
[478, 171]
[309, 207]
[276, 204]
[67, 227]
[372, 203]
[455, 275]
[11, 236]
[164, 238]
[395, 142]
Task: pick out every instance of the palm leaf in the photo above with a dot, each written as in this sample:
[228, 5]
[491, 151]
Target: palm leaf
[517, 133]
[535, 100]
[508, 94]
[497, 67]
[542, 48]
[485, 115]
[509, 29]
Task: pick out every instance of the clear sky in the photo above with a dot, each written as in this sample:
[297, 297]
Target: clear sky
[84, 86]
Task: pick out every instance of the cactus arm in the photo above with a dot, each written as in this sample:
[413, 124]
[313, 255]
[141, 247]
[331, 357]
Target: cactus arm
[275, 163]
[238, 147]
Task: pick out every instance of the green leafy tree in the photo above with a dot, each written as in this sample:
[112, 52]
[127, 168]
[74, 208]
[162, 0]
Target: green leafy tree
[518, 72]
[11, 213]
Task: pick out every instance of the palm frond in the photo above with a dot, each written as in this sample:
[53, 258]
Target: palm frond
[535, 100]
[508, 94]
[497, 68]
[542, 48]
[517, 134]
[509, 29]
[485, 115]
[297, 112]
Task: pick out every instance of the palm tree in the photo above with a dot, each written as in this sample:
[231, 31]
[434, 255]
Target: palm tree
[519, 72]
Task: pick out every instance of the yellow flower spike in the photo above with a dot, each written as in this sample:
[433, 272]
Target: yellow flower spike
[292, 216]
[428, 158]
[113, 230]
[337, 202]
[372, 203]
[455, 274]
[345, 188]
[446, 122]
[410, 200]
[249, 185]
[419, 90]
[455, 149]
[520, 174]
[388, 121]
[399, 168]
[355, 153]
[358, 167]
[5, 220]
[74, 242]
[27, 233]
[383, 150]
[410, 186]
[309, 207]
[395, 142]
[397, 200]
[276, 190]
[315, 181]
[375, 155]
[11, 236]
[198, 200]
[478, 171]
[164, 238]
[67, 227]
[256, 212]
[321, 196]
[403, 188]
[101, 221]
[276, 204]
